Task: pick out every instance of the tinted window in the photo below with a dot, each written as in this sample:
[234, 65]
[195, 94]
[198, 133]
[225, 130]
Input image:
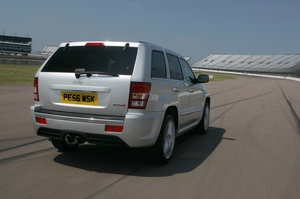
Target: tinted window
[187, 72]
[158, 65]
[175, 69]
[93, 58]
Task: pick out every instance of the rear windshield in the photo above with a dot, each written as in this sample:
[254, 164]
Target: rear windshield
[109, 59]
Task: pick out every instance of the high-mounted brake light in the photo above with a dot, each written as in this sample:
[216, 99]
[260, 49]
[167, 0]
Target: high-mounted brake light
[36, 89]
[94, 44]
[139, 94]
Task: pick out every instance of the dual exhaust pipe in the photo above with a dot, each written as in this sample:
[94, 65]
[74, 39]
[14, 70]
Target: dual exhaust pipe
[74, 139]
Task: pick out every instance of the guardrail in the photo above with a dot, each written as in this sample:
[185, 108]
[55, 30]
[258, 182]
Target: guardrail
[248, 74]
[22, 60]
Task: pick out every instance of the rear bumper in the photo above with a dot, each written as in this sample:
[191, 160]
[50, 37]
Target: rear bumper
[139, 129]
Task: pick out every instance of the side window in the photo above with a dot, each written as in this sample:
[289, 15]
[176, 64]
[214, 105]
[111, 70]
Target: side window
[189, 76]
[158, 65]
[175, 69]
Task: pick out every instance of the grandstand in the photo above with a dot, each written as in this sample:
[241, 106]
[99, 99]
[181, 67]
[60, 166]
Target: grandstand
[188, 59]
[49, 50]
[284, 65]
[15, 45]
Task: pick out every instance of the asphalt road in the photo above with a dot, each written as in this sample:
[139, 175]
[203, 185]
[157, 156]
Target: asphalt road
[252, 150]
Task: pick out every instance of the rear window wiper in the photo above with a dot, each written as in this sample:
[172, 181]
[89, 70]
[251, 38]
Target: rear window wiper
[81, 71]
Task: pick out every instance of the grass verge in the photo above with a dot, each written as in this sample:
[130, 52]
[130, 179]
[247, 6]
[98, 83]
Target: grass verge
[17, 74]
[217, 76]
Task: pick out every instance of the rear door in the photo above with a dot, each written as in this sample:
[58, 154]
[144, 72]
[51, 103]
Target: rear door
[90, 78]
[179, 89]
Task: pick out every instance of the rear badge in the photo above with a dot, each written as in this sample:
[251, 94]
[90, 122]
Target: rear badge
[121, 105]
[77, 82]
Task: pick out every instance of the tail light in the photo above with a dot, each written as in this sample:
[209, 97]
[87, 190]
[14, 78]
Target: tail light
[36, 89]
[139, 94]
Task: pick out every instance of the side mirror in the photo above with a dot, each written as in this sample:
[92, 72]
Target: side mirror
[203, 78]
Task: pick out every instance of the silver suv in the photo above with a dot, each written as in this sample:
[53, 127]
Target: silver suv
[118, 93]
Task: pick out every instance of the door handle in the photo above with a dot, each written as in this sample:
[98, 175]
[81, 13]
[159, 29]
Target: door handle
[191, 90]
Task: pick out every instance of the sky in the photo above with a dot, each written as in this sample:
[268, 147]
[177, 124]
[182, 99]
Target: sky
[195, 28]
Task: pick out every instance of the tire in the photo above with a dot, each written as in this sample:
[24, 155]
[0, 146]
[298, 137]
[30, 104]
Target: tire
[62, 145]
[203, 125]
[163, 149]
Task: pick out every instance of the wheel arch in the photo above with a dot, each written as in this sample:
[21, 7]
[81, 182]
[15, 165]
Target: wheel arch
[208, 100]
[172, 110]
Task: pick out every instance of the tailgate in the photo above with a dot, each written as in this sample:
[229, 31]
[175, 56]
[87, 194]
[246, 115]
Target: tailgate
[101, 94]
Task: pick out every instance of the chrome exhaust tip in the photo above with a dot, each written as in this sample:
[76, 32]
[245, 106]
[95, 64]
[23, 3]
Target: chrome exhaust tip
[69, 139]
[79, 140]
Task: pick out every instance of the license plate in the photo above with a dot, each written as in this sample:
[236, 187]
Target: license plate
[79, 98]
